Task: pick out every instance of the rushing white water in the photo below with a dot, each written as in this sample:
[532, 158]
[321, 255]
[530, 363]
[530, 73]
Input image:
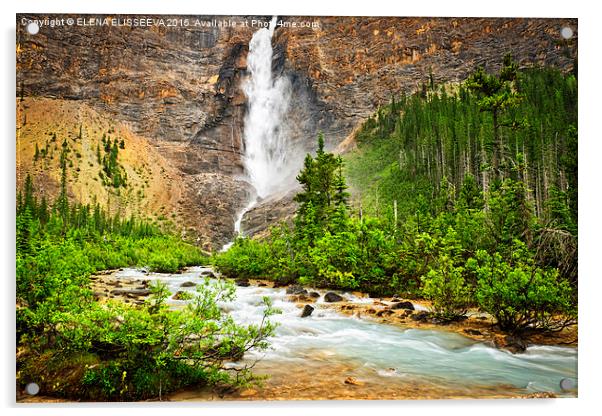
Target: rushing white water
[265, 132]
[387, 354]
[266, 156]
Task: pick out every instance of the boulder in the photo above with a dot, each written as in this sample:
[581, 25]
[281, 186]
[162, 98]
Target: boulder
[242, 282]
[131, 292]
[403, 305]
[314, 295]
[208, 273]
[333, 297]
[188, 284]
[353, 381]
[299, 299]
[420, 316]
[471, 331]
[514, 344]
[296, 290]
[307, 310]
[178, 295]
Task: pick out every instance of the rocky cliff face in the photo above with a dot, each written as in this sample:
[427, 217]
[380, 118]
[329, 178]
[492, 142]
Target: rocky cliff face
[180, 87]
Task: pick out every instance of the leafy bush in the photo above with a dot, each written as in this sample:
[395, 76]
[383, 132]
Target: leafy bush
[145, 352]
[446, 288]
[520, 295]
[246, 258]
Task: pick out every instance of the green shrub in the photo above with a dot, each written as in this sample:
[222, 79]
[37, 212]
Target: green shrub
[152, 350]
[446, 288]
[520, 295]
[246, 258]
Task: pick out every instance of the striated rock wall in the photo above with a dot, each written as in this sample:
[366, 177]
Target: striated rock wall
[180, 87]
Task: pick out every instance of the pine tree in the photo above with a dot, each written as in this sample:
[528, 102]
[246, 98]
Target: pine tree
[322, 184]
[470, 196]
[497, 93]
[341, 196]
[62, 203]
[43, 213]
[29, 200]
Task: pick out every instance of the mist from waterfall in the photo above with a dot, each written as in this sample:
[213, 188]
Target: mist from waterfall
[265, 132]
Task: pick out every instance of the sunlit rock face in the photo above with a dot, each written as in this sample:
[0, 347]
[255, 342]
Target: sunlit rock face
[183, 88]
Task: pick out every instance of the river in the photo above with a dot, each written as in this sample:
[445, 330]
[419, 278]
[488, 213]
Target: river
[312, 357]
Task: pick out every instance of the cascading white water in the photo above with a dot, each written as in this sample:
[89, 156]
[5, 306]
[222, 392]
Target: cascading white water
[265, 132]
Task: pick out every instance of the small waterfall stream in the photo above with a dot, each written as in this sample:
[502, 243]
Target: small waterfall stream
[310, 357]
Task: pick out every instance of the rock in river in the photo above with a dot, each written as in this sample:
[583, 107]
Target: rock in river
[353, 381]
[403, 305]
[514, 344]
[307, 310]
[208, 273]
[188, 284]
[420, 316]
[131, 292]
[296, 290]
[333, 297]
[242, 282]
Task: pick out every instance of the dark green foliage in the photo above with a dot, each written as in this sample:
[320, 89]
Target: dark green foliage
[511, 214]
[471, 196]
[412, 144]
[520, 295]
[246, 258]
[112, 174]
[324, 189]
[445, 286]
[496, 93]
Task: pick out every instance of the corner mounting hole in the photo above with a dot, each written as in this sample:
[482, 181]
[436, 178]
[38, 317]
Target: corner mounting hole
[32, 389]
[566, 32]
[32, 28]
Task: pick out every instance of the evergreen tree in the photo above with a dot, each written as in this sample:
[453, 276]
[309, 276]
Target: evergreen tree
[470, 196]
[497, 93]
[62, 203]
[341, 197]
[323, 185]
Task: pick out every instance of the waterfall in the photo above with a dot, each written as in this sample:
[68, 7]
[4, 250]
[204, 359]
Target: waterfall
[265, 134]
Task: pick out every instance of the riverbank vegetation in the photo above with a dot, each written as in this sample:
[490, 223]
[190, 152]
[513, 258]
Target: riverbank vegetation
[465, 196]
[73, 345]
